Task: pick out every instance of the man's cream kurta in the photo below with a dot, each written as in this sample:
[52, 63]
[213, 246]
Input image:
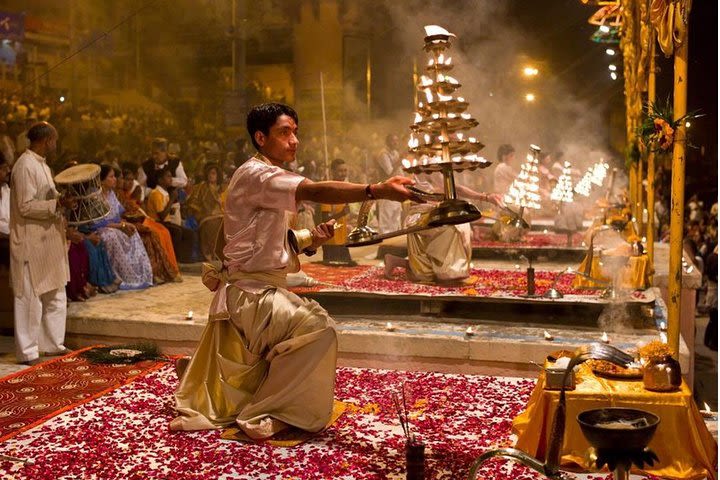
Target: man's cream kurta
[37, 230]
[266, 359]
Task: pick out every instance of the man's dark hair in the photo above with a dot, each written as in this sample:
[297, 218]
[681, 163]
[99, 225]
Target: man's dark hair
[503, 150]
[336, 163]
[40, 131]
[105, 170]
[262, 117]
[166, 169]
[159, 143]
[129, 167]
[210, 166]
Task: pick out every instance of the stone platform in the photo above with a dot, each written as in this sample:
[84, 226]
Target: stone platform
[411, 342]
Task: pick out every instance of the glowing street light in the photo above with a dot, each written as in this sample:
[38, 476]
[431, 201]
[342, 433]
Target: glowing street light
[613, 75]
[687, 124]
[530, 71]
[612, 67]
[529, 97]
[610, 51]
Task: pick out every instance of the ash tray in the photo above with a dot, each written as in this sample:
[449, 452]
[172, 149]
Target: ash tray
[554, 372]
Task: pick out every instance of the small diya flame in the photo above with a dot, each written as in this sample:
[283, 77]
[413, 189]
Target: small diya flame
[189, 315]
[469, 332]
[547, 336]
[389, 327]
[604, 338]
[706, 411]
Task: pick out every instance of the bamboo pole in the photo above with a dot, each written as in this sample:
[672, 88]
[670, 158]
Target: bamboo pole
[325, 171]
[639, 203]
[632, 182]
[677, 199]
[650, 188]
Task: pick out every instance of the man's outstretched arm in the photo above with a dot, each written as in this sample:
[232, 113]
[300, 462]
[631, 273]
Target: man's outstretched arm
[344, 192]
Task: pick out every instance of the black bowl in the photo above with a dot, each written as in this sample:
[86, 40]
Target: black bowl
[617, 438]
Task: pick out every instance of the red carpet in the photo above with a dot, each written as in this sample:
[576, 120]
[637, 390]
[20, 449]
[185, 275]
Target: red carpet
[124, 434]
[482, 282]
[33, 395]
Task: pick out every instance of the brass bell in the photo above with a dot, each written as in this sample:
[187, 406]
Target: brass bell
[299, 240]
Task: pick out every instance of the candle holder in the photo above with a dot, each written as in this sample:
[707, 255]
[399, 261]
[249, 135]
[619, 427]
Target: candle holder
[437, 144]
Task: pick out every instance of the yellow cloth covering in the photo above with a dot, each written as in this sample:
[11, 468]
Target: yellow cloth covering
[634, 275]
[341, 228]
[268, 366]
[682, 442]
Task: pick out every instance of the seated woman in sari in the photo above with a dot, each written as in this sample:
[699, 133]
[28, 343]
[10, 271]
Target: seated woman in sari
[88, 260]
[79, 288]
[125, 249]
[155, 237]
[205, 204]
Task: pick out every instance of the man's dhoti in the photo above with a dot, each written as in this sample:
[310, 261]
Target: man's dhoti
[439, 254]
[269, 365]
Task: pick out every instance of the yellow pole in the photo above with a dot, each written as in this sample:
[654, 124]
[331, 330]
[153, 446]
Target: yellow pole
[368, 82]
[632, 184]
[640, 200]
[677, 198]
[650, 232]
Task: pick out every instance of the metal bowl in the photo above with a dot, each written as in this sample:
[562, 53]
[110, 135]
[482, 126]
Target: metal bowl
[601, 437]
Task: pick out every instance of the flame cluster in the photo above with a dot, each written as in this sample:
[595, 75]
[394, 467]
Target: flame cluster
[563, 191]
[525, 189]
[595, 175]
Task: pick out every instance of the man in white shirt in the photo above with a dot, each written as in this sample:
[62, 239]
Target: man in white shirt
[388, 164]
[4, 211]
[266, 359]
[38, 251]
[505, 172]
[159, 160]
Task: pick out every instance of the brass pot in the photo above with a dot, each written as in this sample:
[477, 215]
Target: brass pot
[662, 374]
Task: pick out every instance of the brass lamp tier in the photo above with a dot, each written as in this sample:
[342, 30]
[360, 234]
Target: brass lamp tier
[449, 106]
[451, 124]
[439, 68]
[453, 148]
[457, 166]
[437, 43]
[444, 87]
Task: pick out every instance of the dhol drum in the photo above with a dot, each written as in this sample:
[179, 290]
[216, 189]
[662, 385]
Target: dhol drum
[83, 182]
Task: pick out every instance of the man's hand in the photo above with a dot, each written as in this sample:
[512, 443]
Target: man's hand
[394, 189]
[67, 202]
[495, 199]
[321, 234]
[74, 236]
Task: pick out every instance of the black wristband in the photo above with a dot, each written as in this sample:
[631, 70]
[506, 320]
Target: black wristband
[368, 192]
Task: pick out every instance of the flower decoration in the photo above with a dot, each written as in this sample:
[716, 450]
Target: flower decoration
[658, 130]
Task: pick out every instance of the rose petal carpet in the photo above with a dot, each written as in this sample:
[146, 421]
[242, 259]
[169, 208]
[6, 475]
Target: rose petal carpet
[482, 282]
[124, 434]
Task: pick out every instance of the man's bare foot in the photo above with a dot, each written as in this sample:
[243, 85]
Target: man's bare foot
[181, 365]
[392, 261]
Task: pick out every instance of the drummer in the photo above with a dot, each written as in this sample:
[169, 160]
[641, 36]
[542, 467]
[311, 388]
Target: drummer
[38, 251]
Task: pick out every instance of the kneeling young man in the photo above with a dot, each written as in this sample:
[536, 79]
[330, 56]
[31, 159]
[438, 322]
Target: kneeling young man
[266, 359]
